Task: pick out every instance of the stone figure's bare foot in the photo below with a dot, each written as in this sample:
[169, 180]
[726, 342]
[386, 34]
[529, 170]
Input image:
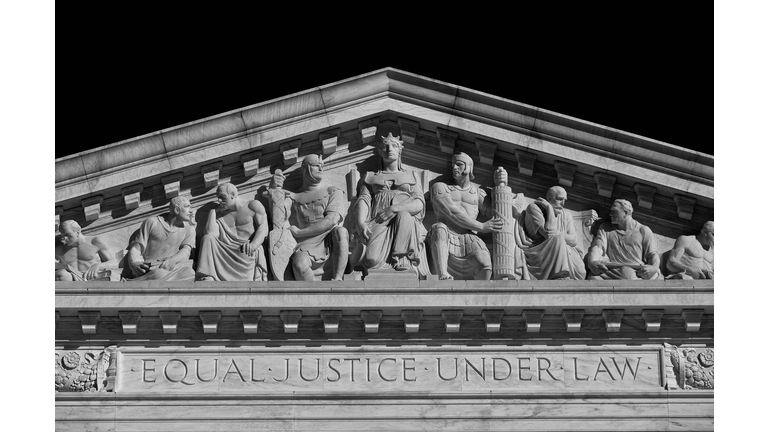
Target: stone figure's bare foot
[446, 277]
[206, 279]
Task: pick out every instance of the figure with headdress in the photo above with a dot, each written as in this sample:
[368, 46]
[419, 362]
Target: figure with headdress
[623, 248]
[457, 251]
[388, 215]
[321, 246]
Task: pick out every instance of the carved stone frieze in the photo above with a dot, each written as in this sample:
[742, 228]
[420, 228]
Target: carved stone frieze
[84, 370]
[694, 368]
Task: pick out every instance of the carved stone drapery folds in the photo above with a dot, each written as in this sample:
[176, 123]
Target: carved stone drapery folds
[85, 370]
[694, 368]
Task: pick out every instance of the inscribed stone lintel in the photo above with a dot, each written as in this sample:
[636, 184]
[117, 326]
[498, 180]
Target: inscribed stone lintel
[333, 369]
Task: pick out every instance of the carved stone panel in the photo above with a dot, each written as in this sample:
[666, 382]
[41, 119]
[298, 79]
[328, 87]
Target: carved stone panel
[84, 370]
[694, 368]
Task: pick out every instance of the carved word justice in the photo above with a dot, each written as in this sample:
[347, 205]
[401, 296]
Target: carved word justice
[193, 371]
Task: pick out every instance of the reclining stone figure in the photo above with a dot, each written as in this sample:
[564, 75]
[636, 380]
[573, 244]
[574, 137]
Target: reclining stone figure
[693, 257]
[79, 257]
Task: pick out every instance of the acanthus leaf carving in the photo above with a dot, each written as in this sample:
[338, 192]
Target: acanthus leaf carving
[83, 370]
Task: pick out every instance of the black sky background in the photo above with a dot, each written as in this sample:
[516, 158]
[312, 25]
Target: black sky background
[641, 71]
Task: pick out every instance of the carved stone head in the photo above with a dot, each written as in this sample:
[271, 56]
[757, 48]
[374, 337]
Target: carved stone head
[70, 232]
[226, 194]
[462, 164]
[312, 169]
[391, 149]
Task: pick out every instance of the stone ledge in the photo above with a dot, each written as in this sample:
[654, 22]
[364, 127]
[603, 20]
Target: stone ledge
[354, 296]
[703, 396]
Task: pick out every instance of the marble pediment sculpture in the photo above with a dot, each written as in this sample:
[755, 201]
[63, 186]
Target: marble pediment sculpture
[232, 247]
[388, 215]
[317, 244]
[457, 251]
[693, 257]
[79, 257]
[385, 174]
[623, 248]
[548, 237]
[162, 248]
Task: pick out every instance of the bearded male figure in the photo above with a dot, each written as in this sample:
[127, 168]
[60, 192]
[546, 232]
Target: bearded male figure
[80, 258]
[693, 257]
[548, 239]
[322, 243]
[231, 248]
[162, 248]
[457, 251]
[623, 248]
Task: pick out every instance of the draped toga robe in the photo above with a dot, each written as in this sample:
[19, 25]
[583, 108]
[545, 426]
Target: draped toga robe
[549, 257]
[220, 257]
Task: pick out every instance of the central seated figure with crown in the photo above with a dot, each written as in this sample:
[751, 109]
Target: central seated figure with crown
[388, 215]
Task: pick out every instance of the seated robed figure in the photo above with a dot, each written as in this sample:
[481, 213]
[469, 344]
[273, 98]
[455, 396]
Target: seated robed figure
[321, 245]
[693, 257]
[548, 238]
[388, 215]
[162, 248]
[623, 248]
[231, 248]
[80, 257]
[457, 251]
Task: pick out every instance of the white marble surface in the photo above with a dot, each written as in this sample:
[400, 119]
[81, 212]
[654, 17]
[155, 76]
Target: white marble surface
[371, 371]
[650, 410]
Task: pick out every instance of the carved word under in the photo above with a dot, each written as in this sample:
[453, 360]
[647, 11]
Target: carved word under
[325, 371]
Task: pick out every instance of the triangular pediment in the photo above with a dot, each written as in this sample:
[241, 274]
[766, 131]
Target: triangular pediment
[113, 188]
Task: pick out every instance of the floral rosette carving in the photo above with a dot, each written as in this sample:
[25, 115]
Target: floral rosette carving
[695, 369]
[80, 371]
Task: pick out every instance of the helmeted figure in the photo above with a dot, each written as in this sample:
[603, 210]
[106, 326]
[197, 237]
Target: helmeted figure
[457, 251]
[321, 242]
[388, 215]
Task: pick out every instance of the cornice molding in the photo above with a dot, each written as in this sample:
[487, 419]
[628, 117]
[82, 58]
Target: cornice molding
[467, 112]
